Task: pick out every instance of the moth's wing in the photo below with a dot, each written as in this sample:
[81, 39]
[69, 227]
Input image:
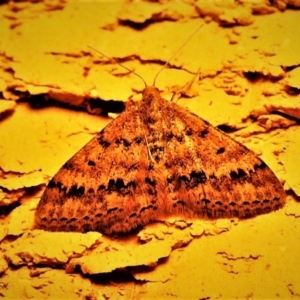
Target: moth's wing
[100, 188]
[154, 161]
[209, 174]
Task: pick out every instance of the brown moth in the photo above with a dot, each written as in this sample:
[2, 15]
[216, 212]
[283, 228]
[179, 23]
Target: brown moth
[155, 160]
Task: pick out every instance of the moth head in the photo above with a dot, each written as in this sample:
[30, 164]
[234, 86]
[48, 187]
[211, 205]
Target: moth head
[150, 93]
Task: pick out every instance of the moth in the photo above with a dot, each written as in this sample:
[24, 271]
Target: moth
[155, 160]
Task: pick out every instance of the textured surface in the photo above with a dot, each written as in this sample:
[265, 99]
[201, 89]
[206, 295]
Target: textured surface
[247, 74]
[156, 160]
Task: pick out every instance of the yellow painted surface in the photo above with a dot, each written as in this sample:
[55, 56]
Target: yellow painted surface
[239, 70]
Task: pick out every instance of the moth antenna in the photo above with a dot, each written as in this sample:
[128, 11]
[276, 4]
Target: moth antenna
[154, 81]
[136, 74]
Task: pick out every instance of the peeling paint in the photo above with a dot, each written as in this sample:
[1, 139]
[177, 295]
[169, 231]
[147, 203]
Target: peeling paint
[240, 72]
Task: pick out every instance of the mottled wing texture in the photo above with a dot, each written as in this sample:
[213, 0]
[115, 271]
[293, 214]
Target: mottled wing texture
[156, 160]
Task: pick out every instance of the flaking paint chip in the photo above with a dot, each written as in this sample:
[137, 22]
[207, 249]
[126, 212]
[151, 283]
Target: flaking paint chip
[36, 247]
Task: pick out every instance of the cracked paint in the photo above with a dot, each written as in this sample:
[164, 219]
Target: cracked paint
[240, 72]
